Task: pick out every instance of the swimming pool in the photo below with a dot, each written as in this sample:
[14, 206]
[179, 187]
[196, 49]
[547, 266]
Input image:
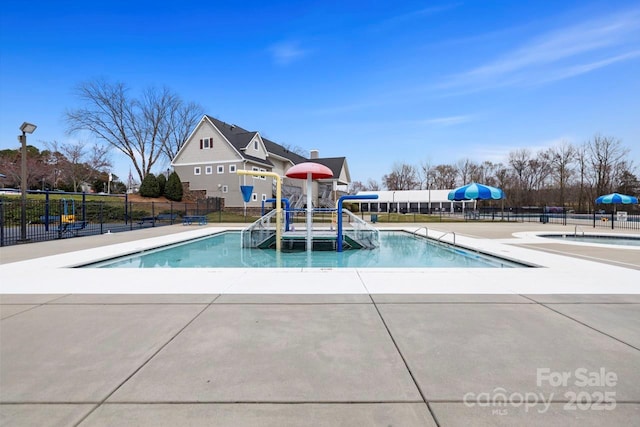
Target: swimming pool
[397, 250]
[600, 239]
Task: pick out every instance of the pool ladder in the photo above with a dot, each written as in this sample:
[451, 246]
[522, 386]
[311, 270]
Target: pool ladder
[448, 232]
[575, 231]
[426, 231]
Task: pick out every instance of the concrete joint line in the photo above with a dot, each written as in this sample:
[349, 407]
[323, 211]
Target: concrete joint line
[584, 324]
[116, 388]
[406, 364]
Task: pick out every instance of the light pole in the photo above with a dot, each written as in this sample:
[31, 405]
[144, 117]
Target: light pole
[393, 201]
[25, 128]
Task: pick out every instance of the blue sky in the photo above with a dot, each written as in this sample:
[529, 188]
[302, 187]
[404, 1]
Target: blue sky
[379, 82]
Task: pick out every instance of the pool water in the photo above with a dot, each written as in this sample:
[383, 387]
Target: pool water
[397, 250]
[603, 240]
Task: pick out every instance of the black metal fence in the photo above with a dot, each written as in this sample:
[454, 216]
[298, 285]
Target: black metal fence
[611, 220]
[52, 219]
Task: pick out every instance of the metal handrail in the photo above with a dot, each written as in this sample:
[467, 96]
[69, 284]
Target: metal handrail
[262, 224]
[448, 232]
[426, 231]
[364, 232]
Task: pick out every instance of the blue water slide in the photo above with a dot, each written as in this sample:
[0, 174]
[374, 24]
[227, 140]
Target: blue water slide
[287, 210]
[340, 200]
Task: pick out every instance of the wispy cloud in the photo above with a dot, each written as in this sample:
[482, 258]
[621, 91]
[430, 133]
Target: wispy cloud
[585, 68]
[500, 153]
[413, 15]
[285, 53]
[348, 108]
[446, 121]
[555, 55]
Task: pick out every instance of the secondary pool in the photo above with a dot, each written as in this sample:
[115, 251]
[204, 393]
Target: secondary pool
[397, 250]
[602, 239]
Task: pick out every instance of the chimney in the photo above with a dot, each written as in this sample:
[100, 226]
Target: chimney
[314, 154]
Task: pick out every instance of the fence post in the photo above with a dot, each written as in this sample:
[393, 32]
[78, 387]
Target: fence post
[60, 211]
[1, 223]
[126, 203]
[84, 206]
[101, 217]
[46, 211]
[153, 214]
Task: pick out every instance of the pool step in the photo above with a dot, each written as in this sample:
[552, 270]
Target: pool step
[321, 241]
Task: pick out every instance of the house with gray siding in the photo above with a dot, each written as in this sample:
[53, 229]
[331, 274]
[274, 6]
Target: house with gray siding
[216, 150]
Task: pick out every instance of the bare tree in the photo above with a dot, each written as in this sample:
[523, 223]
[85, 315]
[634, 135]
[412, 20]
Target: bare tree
[356, 186]
[465, 168]
[581, 162]
[628, 183]
[562, 158]
[372, 185]
[143, 129]
[606, 157]
[182, 119]
[37, 170]
[426, 174]
[444, 176]
[501, 174]
[402, 177]
[81, 162]
[530, 173]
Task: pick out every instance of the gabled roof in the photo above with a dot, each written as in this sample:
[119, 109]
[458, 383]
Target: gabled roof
[280, 151]
[336, 164]
[239, 138]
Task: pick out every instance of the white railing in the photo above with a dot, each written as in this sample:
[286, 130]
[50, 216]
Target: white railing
[259, 231]
[361, 231]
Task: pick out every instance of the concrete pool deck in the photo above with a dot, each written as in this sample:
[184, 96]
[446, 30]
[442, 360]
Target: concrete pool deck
[322, 346]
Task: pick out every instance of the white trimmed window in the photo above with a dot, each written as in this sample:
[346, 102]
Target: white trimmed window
[254, 197]
[264, 197]
[255, 169]
[225, 188]
[232, 168]
[255, 145]
[197, 170]
[206, 143]
[208, 170]
[263, 170]
[220, 169]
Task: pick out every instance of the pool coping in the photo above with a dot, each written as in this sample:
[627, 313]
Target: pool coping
[556, 273]
[540, 237]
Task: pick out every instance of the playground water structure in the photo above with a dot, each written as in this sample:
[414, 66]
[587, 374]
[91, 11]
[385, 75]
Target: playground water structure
[359, 234]
[262, 235]
[223, 250]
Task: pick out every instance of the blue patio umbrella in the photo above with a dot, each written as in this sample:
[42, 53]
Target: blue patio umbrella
[616, 198]
[475, 191]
